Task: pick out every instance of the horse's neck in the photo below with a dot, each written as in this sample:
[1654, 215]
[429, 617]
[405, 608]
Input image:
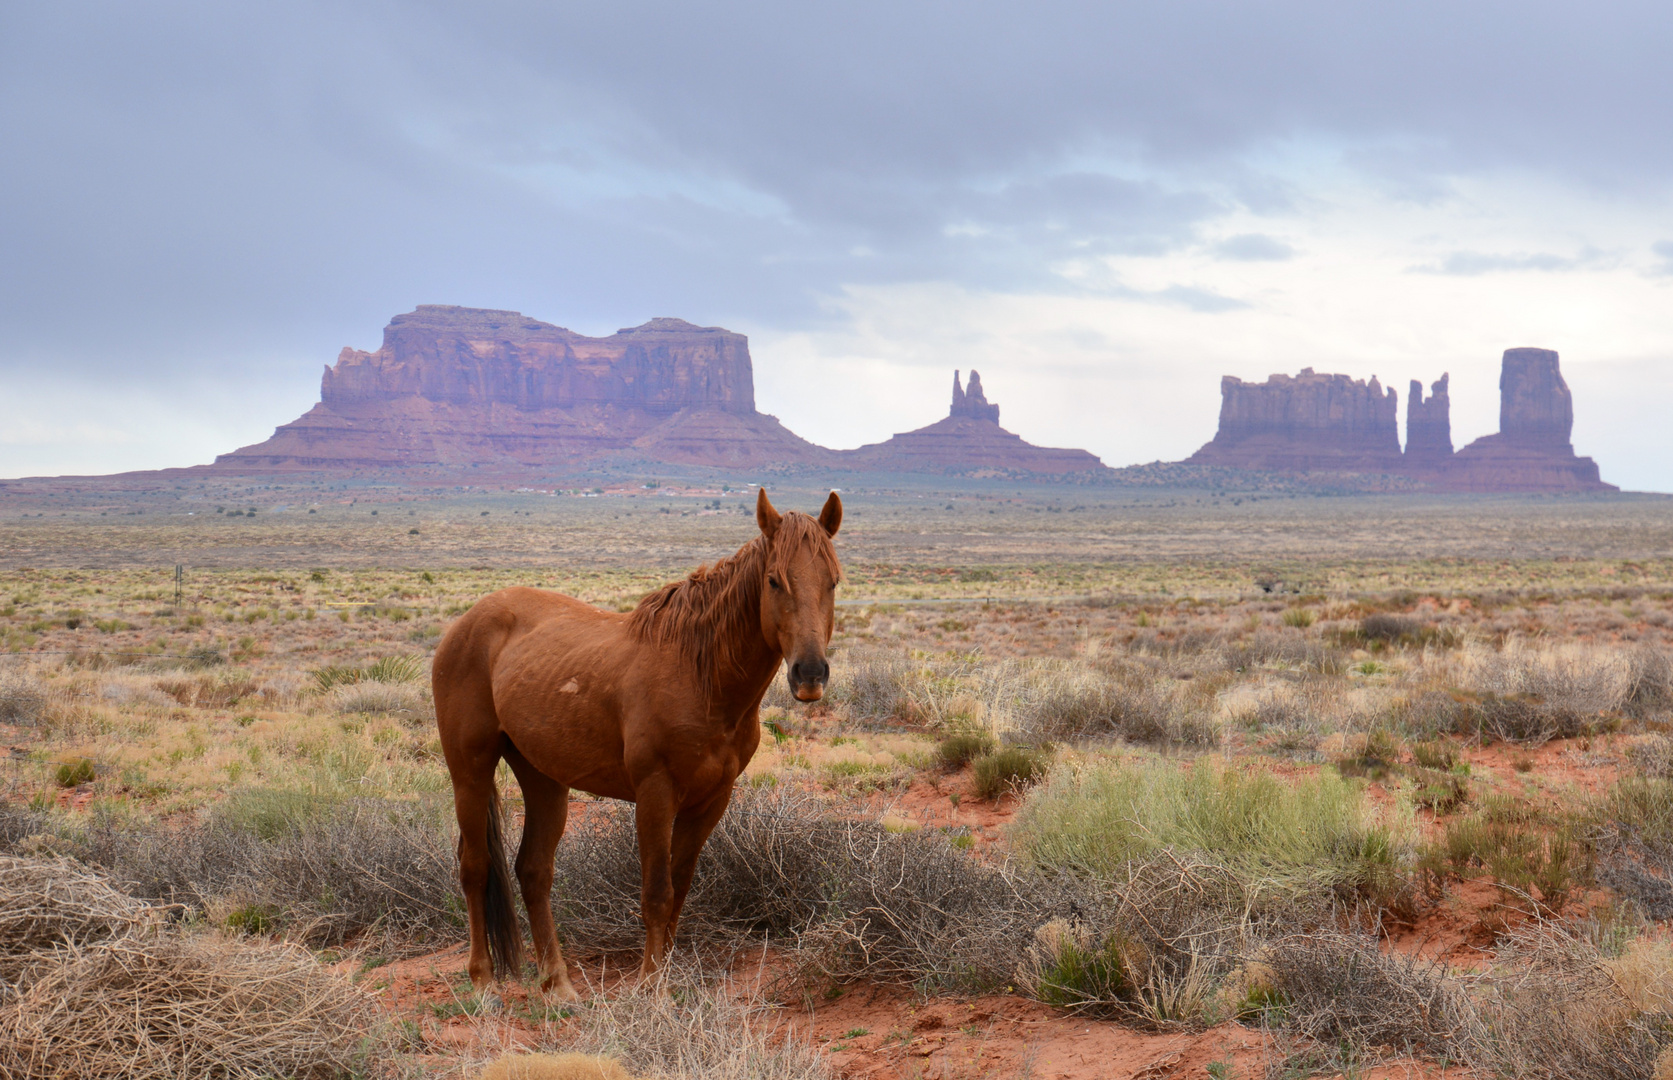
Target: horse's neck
[742, 683]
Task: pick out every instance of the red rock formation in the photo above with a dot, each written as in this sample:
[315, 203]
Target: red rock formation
[456, 386]
[1532, 450]
[969, 441]
[1428, 426]
[1305, 423]
[1330, 423]
[972, 403]
[1535, 406]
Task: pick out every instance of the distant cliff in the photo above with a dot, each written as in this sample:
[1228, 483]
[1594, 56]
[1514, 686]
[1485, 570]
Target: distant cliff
[457, 387]
[471, 356]
[1305, 423]
[1313, 423]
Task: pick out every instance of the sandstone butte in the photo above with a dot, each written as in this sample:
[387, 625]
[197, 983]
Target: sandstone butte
[455, 387]
[1312, 423]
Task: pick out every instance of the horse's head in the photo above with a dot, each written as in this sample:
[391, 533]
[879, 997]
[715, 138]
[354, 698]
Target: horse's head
[798, 597]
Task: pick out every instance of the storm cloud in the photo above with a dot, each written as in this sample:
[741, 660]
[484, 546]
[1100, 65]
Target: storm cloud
[203, 196]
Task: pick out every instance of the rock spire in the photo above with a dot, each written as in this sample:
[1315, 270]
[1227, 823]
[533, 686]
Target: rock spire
[1428, 425]
[1532, 450]
[972, 403]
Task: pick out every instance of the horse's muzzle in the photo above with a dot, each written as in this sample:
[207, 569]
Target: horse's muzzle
[808, 677]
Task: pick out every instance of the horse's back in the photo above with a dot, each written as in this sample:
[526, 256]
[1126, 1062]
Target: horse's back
[504, 617]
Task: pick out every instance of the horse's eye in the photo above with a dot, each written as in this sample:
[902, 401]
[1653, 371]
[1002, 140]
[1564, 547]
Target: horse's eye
[773, 581]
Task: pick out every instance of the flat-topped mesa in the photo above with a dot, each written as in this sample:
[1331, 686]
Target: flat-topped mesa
[1428, 425]
[455, 387]
[972, 403]
[1305, 423]
[1532, 450]
[970, 442]
[478, 356]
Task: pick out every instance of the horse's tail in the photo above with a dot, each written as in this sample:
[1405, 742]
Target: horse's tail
[505, 937]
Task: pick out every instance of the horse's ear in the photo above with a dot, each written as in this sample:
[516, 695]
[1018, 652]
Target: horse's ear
[830, 518]
[765, 515]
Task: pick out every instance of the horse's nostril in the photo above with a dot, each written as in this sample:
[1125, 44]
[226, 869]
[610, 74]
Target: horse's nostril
[803, 672]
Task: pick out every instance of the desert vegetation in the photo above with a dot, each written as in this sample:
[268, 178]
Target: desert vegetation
[1306, 832]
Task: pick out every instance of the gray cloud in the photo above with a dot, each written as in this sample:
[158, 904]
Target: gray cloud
[1476, 263]
[1196, 299]
[1664, 248]
[211, 190]
[1253, 247]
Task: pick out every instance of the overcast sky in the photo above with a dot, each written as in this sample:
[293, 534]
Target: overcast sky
[1104, 207]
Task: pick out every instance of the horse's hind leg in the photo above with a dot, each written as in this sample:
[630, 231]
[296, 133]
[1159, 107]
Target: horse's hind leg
[546, 808]
[496, 941]
[472, 743]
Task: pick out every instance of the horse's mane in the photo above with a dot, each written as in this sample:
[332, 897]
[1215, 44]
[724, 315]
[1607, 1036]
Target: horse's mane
[707, 615]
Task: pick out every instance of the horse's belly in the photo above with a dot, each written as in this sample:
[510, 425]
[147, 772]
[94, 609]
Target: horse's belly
[577, 747]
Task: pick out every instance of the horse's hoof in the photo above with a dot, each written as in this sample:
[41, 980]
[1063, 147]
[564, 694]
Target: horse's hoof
[556, 990]
[489, 1001]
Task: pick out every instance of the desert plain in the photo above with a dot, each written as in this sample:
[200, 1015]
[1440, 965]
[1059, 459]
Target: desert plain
[1108, 783]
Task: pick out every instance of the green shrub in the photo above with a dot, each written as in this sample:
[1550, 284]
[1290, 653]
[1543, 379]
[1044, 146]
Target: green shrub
[1527, 853]
[961, 748]
[1442, 792]
[1438, 755]
[1376, 759]
[389, 669]
[75, 773]
[1008, 769]
[1319, 833]
[1074, 971]
[1299, 617]
[252, 919]
[272, 813]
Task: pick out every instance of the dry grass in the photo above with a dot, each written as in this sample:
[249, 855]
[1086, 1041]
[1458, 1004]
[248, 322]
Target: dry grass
[380, 697]
[853, 896]
[95, 984]
[873, 685]
[1152, 945]
[555, 1067]
[320, 871]
[22, 698]
[687, 1029]
[1558, 1004]
[1344, 991]
[1653, 755]
[851, 900]
[48, 906]
[181, 1007]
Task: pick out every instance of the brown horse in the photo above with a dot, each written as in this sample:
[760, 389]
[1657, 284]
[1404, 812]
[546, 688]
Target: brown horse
[657, 707]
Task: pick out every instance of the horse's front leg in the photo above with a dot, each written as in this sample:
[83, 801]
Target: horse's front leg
[654, 819]
[691, 832]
